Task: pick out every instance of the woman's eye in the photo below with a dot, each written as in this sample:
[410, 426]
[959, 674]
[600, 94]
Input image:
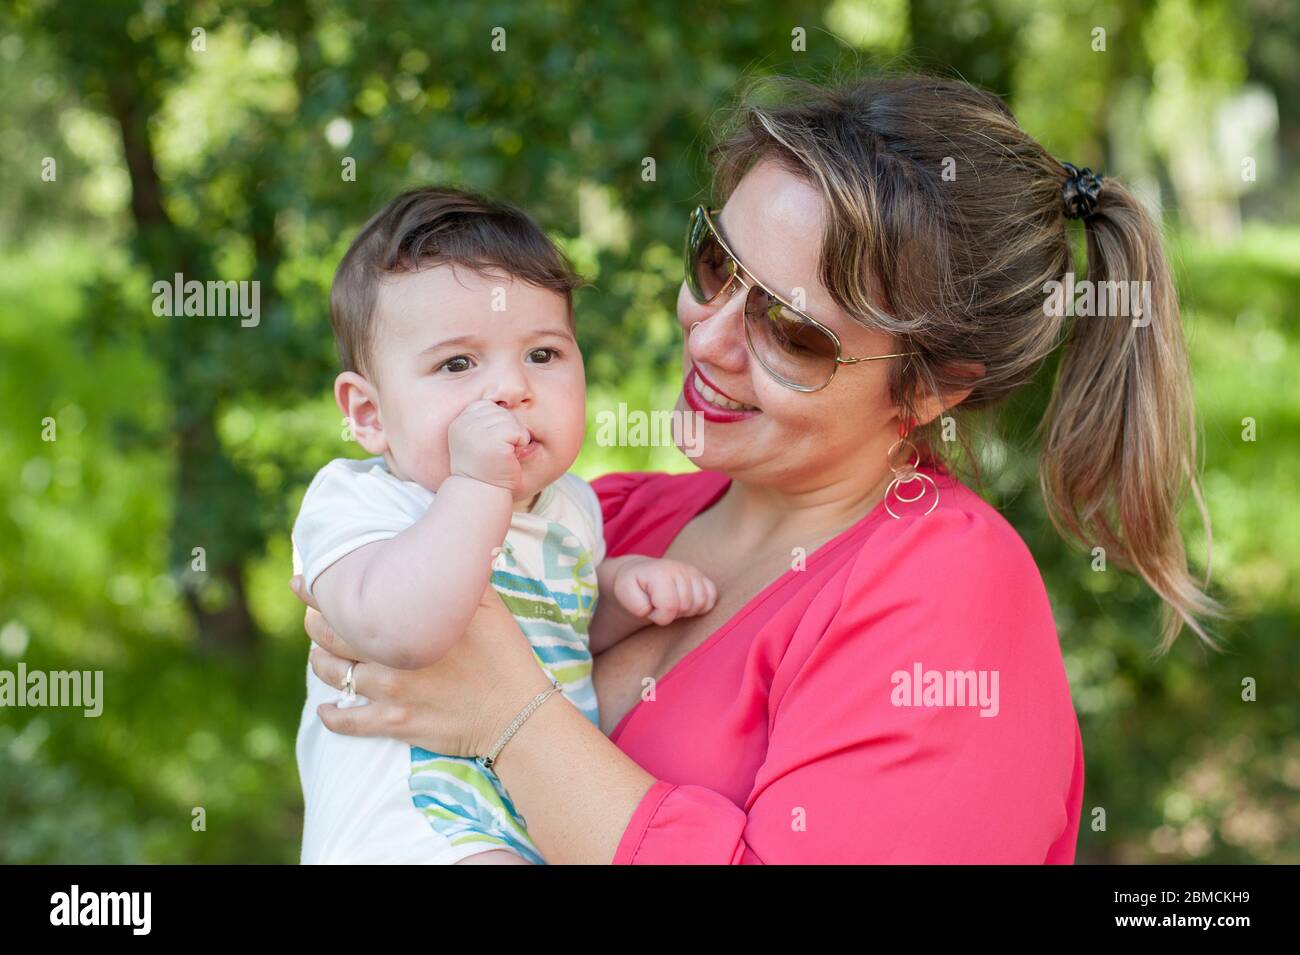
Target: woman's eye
[459, 363]
[788, 334]
[544, 356]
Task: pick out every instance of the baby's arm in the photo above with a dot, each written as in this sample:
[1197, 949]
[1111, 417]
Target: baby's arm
[404, 601]
[635, 589]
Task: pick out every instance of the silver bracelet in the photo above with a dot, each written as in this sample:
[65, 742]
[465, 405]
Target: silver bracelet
[490, 759]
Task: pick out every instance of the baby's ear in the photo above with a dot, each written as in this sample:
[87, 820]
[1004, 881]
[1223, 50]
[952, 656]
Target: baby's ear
[359, 402]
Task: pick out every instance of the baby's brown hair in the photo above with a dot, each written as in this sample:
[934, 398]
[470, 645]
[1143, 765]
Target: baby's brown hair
[436, 225]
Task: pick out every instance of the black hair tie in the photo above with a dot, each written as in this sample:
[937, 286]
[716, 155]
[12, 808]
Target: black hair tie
[1081, 192]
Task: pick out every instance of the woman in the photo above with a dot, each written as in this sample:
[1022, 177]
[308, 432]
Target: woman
[880, 680]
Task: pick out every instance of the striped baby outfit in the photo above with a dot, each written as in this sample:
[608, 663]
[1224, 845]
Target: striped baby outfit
[547, 579]
[378, 800]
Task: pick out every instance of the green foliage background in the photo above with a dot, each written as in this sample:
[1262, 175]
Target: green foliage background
[225, 162]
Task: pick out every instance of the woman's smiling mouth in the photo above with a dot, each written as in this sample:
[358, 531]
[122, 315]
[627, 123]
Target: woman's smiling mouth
[703, 397]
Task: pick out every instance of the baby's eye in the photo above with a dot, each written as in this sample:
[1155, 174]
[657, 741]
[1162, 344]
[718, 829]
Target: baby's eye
[548, 355]
[459, 363]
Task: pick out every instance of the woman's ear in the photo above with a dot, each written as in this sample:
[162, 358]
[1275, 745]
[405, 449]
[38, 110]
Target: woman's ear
[930, 406]
[359, 402]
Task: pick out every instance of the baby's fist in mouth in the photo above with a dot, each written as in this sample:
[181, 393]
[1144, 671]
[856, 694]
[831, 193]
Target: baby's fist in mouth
[484, 442]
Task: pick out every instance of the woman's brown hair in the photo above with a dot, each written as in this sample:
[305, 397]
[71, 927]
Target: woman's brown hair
[946, 227]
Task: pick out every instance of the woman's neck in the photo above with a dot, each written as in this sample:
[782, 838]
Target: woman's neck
[754, 514]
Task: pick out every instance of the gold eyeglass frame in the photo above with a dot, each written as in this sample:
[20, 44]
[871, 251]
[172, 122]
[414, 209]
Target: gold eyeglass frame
[736, 267]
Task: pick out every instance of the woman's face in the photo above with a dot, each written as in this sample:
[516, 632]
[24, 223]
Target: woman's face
[793, 441]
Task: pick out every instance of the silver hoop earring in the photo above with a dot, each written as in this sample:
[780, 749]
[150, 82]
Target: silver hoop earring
[906, 475]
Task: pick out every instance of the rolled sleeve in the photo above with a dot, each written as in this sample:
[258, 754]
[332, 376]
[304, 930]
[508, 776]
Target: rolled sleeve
[684, 825]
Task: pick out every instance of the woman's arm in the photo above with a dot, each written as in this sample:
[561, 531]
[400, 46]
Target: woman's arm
[577, 789]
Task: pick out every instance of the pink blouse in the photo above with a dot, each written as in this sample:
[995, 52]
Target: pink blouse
[899, 699]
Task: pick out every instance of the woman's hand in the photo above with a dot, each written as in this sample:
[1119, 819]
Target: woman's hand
[458, 706]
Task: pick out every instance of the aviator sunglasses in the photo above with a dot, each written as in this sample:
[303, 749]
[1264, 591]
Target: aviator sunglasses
[792, 347]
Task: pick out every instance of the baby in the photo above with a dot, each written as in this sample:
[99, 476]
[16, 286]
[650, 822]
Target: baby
[462, 377]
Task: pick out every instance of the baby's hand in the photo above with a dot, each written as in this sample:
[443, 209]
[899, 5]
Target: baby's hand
[482, 440]
[663, 590]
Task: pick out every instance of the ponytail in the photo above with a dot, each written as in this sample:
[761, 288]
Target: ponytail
[1120, 451]
[956, 267]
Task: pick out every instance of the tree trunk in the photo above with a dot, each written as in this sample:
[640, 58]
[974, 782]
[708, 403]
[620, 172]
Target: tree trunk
[206, 480]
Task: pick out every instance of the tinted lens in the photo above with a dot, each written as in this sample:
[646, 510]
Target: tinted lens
[786, 344]
[708, 266]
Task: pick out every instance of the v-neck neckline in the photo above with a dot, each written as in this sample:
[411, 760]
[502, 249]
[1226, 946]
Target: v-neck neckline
[754, 602]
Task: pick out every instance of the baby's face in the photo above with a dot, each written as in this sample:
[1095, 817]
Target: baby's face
[447, 336]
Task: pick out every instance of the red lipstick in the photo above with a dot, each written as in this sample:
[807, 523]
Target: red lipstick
[711, 412]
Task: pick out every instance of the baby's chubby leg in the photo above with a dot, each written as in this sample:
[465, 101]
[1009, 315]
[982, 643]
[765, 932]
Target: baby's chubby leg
[494, 857]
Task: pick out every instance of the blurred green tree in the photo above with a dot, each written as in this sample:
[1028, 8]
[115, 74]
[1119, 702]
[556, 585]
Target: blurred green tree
[227, 154]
